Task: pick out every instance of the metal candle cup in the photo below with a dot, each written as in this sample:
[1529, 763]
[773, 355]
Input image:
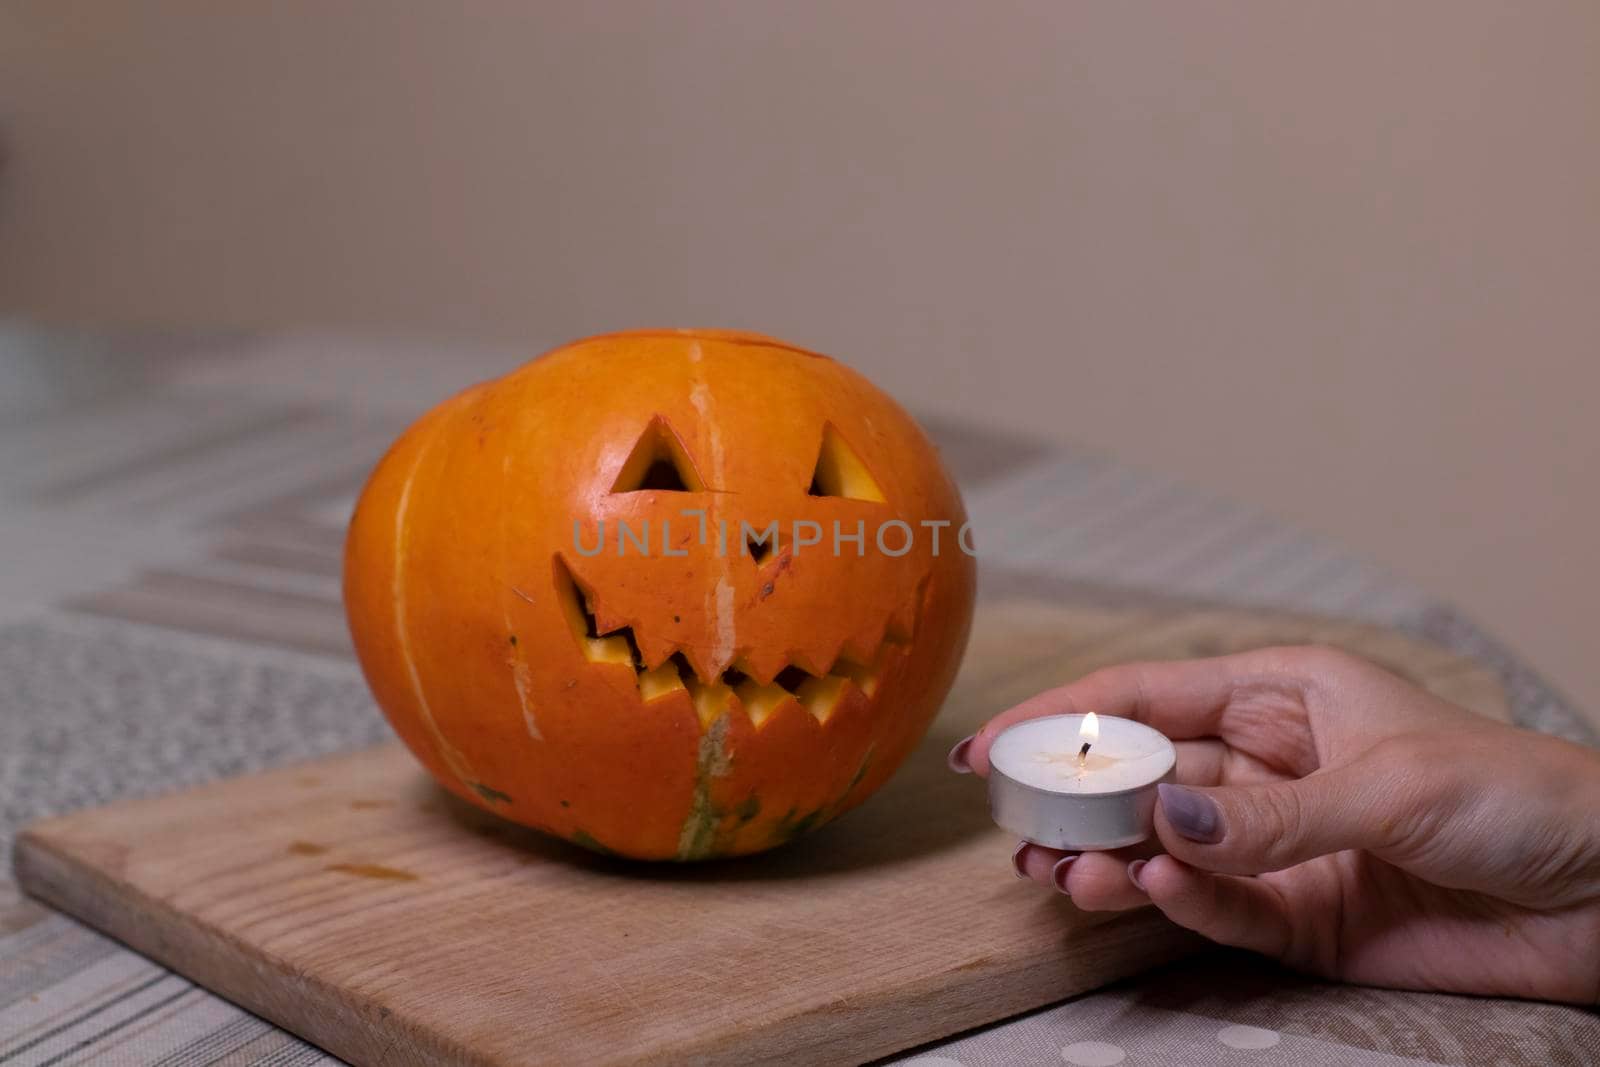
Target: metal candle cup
[1042, 790]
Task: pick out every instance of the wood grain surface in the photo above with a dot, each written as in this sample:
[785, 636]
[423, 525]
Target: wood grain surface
[353, 902]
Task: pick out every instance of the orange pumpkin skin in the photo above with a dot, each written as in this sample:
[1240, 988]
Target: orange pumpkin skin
[470, 557]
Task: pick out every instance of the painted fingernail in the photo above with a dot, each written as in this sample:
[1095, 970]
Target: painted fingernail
[1135, 869]
[1194, 815]
[1017, 858]
[957, 760]
[1058, 873]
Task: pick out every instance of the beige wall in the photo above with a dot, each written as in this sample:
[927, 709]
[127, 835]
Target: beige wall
[1341, 259]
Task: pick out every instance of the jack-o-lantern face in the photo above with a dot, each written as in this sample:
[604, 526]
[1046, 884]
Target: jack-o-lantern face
[669, 594]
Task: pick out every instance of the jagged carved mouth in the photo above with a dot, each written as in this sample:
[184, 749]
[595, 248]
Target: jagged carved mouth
[819, 694]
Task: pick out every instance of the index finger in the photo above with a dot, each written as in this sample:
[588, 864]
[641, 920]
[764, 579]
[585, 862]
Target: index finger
[1185, 699]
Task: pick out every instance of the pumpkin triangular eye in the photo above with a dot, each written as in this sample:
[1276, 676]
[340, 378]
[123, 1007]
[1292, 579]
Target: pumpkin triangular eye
[658, 461]
[840, 472]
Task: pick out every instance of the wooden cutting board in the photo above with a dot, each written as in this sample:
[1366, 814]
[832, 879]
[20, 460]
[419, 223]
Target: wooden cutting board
[352, 902]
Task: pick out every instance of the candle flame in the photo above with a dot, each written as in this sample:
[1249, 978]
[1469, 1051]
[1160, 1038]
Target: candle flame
[1090, 730]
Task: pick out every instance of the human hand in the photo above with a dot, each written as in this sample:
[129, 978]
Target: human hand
[1337, 818]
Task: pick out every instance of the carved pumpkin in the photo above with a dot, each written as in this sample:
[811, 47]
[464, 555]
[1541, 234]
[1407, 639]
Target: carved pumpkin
[561, 599]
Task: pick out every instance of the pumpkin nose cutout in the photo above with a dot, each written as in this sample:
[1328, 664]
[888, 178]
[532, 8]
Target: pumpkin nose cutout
[759, 545]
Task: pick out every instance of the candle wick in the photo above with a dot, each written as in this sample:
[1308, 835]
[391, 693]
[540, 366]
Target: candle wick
[1083, 754]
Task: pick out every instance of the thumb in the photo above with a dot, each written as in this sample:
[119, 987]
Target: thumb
[1260, 828]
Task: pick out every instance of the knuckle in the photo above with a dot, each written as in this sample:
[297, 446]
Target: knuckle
[1326, 660]
[1404, 766]
[1398, 755]
[1399, 767]
[1307, 666]
[1124, 686]
[1278, 815]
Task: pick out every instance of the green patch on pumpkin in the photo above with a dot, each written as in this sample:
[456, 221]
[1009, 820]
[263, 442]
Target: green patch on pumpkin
[793, 825]
[698, 839]
[861, 772]
[748, 809]
[490, 793]
[584, 839]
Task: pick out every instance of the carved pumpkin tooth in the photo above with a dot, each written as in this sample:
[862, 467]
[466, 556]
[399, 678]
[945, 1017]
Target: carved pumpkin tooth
[763, 666]
[653, 652]
[815, 661]
[710, 701]
[820, 696]
[595, 648]
[863, 648]
[608, 650]
[662, 680]
[760, 701]
[606, 625]
[701, 668]
[571, 600]
[791, 678]
[864, 678]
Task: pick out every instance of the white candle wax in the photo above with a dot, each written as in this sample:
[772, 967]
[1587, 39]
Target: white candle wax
[1045, 790]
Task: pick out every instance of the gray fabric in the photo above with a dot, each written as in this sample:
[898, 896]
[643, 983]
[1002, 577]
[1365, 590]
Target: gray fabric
[97, 711]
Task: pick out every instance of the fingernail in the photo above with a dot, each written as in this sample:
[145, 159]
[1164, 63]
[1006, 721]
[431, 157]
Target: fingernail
[1194, 815]
[957, 760]
[1135, 869]
[1016, 860]
[1058, 873]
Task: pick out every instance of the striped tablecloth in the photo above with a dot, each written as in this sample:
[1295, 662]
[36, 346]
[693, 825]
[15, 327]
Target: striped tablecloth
[169, 614]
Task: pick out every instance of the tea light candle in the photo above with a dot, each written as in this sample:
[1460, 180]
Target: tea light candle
[1078, 782]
